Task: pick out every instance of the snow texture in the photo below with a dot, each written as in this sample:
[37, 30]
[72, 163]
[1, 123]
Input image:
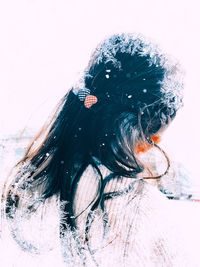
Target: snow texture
[171, 85]
[145, 229]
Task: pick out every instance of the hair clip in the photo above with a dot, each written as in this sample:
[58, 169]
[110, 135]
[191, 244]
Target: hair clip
[90, 100]
[75, 90]
[84, 95]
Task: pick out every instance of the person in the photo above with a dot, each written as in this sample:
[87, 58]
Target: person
[83, 194]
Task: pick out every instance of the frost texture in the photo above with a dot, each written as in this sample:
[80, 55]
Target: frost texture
[171, 86]
[143, 231]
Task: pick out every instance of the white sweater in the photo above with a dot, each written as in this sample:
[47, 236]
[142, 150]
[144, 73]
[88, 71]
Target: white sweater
[145, 229]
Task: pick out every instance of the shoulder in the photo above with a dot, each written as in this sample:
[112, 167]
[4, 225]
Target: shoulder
[169, 228]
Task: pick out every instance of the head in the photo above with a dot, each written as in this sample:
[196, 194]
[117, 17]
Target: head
[137, 92]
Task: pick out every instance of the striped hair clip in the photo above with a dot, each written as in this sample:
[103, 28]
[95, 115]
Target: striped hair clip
[85, 96]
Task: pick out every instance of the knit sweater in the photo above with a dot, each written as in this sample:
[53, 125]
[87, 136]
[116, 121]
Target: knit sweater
[145, 229]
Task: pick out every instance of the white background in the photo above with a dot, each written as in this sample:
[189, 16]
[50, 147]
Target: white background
[44, 44]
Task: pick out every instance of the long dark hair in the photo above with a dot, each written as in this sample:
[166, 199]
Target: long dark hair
[138, 92]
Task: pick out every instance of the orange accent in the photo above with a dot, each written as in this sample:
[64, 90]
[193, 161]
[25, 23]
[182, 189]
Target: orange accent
[90, 100]
[156, 139]
[144, 146]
